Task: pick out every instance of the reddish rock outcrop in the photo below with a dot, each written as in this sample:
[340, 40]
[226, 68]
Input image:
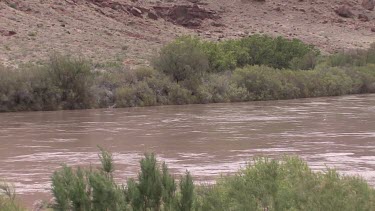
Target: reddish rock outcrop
[363, 17]
[7, 33]
[368, 4]
[344, 12]
[185, 15]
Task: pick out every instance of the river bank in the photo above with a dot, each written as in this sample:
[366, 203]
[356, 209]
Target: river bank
[190, 71]
[264, 183]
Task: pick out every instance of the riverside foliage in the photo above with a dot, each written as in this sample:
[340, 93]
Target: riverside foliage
[190, 70]
[264, 184]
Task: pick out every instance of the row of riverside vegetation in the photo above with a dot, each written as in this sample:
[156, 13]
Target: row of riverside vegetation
[190, 70]
[264, 184]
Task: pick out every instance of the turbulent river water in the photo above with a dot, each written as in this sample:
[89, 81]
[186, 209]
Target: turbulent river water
[207, 140]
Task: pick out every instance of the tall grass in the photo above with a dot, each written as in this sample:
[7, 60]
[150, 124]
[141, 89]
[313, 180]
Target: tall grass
[8, 200]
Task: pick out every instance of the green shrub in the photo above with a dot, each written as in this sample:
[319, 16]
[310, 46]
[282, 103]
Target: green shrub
[260, 50]
[265, 83]
[222, 56]
[155, 189]
[73, 78]
[262, 83]
[365, 78]
[276, 52]
[355, 57]
[79, 189]
[306, 62]
[26, 88]
[287, 184]
[182, 59]
[179, 95]
[186, 193]
[139, 94]
[146, 87]
[150, 183]
[62, 83]
[106, 195]
[169, 189]
[215, 89]
[189, 56]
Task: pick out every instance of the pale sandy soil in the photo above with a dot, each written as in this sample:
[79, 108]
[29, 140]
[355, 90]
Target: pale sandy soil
[109, 30]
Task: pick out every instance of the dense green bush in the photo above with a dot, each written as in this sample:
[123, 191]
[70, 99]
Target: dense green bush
[183, 59]
[62, 83]
[73, 79]
[277, 52]
[222, 56]
[266, 83]
[191, 56]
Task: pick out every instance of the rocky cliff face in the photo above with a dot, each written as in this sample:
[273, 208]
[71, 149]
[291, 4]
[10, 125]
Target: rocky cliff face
[131, 31]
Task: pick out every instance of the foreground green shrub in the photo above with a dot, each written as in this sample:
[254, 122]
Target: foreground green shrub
[264, 184]
[186, 199]
[287, 184]
[88, 189]
[95, 189]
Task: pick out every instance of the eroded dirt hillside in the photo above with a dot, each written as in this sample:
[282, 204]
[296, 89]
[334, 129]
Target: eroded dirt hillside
[131, 31]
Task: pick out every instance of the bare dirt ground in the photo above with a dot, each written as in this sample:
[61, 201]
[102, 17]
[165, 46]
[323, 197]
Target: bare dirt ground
[131, 31]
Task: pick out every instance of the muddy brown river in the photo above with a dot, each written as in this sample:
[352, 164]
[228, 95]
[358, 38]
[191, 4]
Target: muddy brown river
[207, 140]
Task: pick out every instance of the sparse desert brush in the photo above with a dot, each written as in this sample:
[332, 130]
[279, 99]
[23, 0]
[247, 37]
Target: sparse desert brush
[354, 57]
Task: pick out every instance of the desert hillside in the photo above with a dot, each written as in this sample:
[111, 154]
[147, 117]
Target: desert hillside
[131, 31]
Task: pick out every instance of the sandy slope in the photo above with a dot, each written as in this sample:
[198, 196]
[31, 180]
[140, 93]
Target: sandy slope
[126, 31]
